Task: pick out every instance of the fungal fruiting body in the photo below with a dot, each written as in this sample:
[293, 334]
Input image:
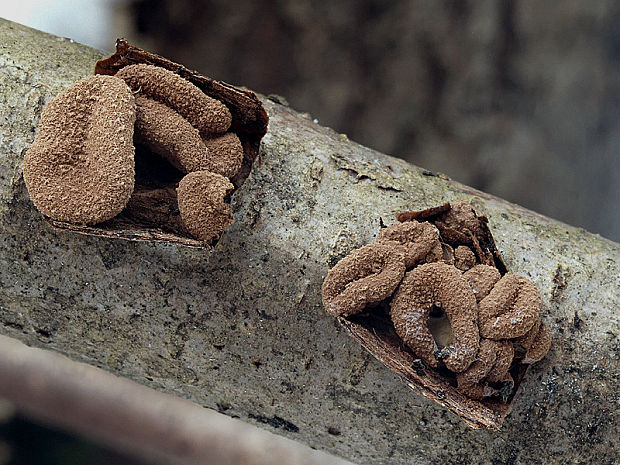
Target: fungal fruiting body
[510, 309]
[492, 364]
[481, 279]
[225, 154]
[203, 112]
[173, 117]
[166, 133]
[205, 213]
[464, 258]
[420, 241]
[366, 276]
[443, 286]
[80, 168]
[536, 342]
[442, 263]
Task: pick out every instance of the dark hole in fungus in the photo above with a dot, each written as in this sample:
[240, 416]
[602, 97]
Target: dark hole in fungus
[439, 326]
[436, 312]
[154, 171]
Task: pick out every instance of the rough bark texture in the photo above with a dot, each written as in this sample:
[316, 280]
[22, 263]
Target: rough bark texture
[156, 427]
[240, 328]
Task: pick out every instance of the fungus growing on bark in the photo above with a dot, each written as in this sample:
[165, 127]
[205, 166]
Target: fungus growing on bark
[430, 330]
[464, 258]
[482, 278]
[420, 240]
[225, 154]
[206, 114]
[83, 169]
[510, 309]
[80, 168]
[202, 204]
[440, 285]
[367, 275]
[171, 115]
[491, 366]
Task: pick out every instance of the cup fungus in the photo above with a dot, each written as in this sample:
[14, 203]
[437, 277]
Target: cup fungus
[457, 327]
[195, 142]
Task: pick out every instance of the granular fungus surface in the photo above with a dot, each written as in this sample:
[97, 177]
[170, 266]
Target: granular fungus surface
[205, 213]
[81, 169]
[206, 114]
[452, 269]
[367, 275]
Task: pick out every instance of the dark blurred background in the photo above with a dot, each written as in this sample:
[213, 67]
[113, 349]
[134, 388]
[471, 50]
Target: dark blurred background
[519, 98]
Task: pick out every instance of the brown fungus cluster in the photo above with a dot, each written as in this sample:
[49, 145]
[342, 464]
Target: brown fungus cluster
[442, 263]
[81, 167]
[173, 116]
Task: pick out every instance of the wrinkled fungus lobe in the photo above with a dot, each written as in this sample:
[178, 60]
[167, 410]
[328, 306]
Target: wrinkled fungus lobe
[202, 204]
[482, 278]
[492, 364]
[537, 344]
[203, 112]
[510, 309]
[420, 241]
[441, 285]
[365, 276]
[80, 168]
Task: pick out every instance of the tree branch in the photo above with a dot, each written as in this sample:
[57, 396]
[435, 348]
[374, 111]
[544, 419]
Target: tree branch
[135, 419]
[240, 327]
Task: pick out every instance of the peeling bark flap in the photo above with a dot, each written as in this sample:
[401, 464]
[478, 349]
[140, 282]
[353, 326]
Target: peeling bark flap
[152, 213]
[375, 331]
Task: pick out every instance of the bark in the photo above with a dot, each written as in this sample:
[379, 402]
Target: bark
[240, 328]
[151, 425]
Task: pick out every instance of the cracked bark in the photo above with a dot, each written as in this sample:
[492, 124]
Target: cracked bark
[240, 328]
